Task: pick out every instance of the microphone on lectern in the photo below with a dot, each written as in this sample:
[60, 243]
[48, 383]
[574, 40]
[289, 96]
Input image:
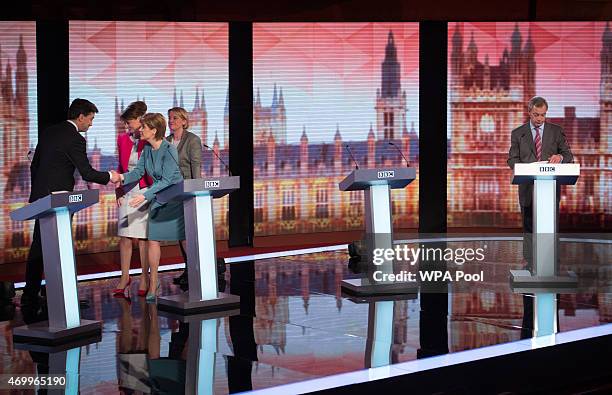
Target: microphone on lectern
[218, 157]
[351, 155]
[400, 152]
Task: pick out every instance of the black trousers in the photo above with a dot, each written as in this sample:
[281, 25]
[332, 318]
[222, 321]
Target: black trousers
[34, 265]
[527, 219]
[184, 254]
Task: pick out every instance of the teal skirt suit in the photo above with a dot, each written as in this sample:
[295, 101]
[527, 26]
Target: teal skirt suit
[166, 220]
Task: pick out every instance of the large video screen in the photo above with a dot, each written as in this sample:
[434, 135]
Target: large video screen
[328, 97]
[166, 65]
[19, 128]
[494, 69]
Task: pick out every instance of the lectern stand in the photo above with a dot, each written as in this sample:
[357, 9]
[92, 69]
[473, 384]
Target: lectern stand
[376, 185]
[197, 196]
[54, 212]
[545, 177]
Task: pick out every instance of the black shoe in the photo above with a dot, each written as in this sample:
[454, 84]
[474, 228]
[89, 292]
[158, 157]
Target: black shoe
[183, 277]
[220, 266]
[29, 299]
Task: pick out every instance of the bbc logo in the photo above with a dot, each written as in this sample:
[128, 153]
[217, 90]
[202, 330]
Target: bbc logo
[75, 198]
[386, 174]
[211, 184]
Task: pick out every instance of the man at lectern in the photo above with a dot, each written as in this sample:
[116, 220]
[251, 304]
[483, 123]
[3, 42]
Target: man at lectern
[60, 150]
[537, 141]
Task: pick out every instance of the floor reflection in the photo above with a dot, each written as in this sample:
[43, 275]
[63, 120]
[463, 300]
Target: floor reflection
[294, 324]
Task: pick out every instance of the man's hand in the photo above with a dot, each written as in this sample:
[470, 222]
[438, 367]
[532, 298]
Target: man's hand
[121, 201]
[116, 178]
[137, 200]
[558, 158]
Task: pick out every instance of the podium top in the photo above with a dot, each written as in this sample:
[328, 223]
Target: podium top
[215, 186]
[360, 179]
[564, 173]
[73, 201]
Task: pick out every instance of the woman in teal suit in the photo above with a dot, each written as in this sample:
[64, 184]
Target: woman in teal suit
[166, 221]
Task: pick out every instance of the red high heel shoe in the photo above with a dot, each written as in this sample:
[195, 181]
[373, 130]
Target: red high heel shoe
[123, 292]
[143, 292]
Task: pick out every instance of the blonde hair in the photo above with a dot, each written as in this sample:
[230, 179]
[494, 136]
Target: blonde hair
[155, 120]
[182, 113]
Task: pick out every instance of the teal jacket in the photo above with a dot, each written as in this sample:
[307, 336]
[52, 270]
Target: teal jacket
[163, 169]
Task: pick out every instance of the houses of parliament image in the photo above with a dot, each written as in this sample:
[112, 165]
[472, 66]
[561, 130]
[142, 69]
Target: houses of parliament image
[486, 102]
[296, 184]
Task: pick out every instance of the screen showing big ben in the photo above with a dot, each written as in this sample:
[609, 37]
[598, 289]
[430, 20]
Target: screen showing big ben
[19, 126]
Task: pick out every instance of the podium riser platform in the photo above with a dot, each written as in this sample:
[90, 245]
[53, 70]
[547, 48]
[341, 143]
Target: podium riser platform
[181, 304]
[356, 287]
[42, 333]
[524, 279]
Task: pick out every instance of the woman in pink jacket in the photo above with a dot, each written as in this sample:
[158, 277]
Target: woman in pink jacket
[132, 221]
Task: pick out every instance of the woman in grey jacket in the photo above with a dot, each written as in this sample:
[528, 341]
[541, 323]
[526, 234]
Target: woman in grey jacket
[189, 145]
[189, 148]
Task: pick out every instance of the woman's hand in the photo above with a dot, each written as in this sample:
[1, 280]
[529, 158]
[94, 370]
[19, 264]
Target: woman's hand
[121, 201]
[137, 200]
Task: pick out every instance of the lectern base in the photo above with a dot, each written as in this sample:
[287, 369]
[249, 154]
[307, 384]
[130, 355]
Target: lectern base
[524, 280]
[180, 304]
[361, 287]
[41, 333]
[198, 317]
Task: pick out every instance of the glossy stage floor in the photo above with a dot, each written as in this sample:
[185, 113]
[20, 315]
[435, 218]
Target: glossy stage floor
[296, 329]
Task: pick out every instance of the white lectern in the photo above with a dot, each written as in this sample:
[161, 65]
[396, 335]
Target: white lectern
[376, 185]
[545, 177]
[54, 211]
[197, 196]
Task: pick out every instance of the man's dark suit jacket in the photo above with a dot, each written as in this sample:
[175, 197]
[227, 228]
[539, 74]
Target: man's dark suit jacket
[522, 150]
[59, 151]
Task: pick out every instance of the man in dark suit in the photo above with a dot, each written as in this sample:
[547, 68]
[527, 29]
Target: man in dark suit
[60, 150]
[536, 141]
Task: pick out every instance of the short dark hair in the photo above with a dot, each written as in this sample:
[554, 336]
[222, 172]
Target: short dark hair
[135, 110]
[537, 101]
[81, 106]
[155, 120]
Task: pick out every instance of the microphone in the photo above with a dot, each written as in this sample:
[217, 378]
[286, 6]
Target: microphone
[218, 157]
[351, 155]
[400, 152]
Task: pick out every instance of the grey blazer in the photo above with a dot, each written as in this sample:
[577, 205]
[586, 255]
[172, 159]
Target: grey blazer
[522, 150]
[190, 155]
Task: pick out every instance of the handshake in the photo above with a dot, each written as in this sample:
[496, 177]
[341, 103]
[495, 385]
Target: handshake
[115, 178]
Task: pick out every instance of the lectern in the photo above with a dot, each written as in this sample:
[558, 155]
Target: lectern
[197, 196]
[376, 185]
[545, 177]
[54, 212]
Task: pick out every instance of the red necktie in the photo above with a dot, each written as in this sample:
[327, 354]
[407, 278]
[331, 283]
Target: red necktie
[538, 143]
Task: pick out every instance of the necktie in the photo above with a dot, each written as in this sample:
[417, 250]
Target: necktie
[538, 143]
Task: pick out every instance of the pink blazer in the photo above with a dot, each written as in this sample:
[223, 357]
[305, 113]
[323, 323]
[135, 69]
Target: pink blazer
[124, 147]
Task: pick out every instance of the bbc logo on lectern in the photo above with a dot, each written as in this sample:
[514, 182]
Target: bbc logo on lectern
[386, 174]
[75, 198]
[211, 184]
